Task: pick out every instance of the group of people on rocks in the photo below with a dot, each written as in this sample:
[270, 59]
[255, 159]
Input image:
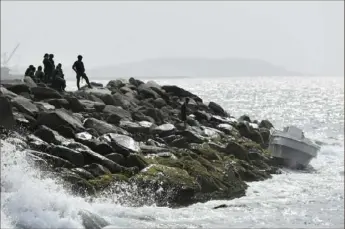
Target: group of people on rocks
[53, 75]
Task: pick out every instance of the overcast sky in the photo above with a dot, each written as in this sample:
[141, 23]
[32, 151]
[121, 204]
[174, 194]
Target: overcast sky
[301, 36]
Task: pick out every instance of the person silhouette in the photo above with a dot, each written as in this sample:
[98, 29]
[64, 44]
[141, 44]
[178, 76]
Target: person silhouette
[79, 68]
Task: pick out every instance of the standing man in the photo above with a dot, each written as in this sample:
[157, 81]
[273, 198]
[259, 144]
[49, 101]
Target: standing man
[51, 59]
[48, 68]
[184, 112]
[79, 68]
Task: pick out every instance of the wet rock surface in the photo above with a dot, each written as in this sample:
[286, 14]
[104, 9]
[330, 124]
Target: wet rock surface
[130, 132]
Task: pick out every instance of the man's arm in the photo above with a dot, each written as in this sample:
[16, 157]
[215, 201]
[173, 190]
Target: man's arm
[74, 67]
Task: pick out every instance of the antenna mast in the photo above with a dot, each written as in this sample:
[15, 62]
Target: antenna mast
[10, 57]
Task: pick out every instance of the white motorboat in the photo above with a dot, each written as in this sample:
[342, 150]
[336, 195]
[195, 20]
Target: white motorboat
[292, 147]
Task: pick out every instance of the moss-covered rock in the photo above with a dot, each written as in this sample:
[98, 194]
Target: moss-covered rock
[205, 151]
[104, 181]
[171, 184]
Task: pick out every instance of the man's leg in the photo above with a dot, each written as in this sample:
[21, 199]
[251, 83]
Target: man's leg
[45, 77]
[63, 84]
[78, 80]
[87, 80]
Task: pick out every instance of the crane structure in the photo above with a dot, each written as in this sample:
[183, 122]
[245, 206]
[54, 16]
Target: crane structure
[5, 59]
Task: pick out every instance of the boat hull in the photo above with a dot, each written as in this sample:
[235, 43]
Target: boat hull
[290, 157]
[291, 151]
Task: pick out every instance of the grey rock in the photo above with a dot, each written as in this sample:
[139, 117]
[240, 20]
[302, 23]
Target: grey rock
[59, 117]
[70, 155]
[6, 116]
[25, 105]
[102, 127]
[122, 143]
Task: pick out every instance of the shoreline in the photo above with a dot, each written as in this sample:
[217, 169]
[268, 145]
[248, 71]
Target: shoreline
[129, 133]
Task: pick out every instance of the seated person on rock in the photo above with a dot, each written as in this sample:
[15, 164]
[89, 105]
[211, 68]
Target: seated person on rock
[39, 75]
[29, 70]
[58, 81]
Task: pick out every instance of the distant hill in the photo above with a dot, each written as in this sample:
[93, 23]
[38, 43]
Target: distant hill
[192, 67]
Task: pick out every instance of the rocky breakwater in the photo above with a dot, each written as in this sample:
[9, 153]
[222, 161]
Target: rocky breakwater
[129, 134]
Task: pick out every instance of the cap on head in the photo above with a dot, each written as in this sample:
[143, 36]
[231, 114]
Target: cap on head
[80, 57]
[46, 55]
[31, 66]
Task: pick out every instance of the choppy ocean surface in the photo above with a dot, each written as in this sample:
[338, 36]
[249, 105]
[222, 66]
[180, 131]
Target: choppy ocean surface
[291, 200]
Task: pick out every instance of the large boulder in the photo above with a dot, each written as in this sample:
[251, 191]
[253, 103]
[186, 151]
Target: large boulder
[29, 82]
[121, 143]
[45, 93]
[135, 160]
[265, 124]
[175, 184]
[192, 136]
[25, 105]
[234, 148]
[217, 109]
[123, 101]
[51, 159]
[180, 92]
[154, 113]
[59, 103]
[96, 169]
[115, 84]
[164, 130]
[147, 92]
[18, 88]
[6, 116]
[92, 221]
[115, 114]
[244, 118]
[102, 127]
[159, 103]
[90, 104]
[133, 127]
[75, 104]
[135, 82]
[59, 117]
[48, 135]
[92, 157]
[44, 107]
[7, 93]
[139, 116]
[73, 156]
[247, 131]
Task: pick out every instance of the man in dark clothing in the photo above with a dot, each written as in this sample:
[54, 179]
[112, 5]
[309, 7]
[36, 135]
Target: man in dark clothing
[79, 68]
[51, 57]
[58, 81]
[29, 70]
[39, 75]
[184, 112]
[48, 68]
[32, 73]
